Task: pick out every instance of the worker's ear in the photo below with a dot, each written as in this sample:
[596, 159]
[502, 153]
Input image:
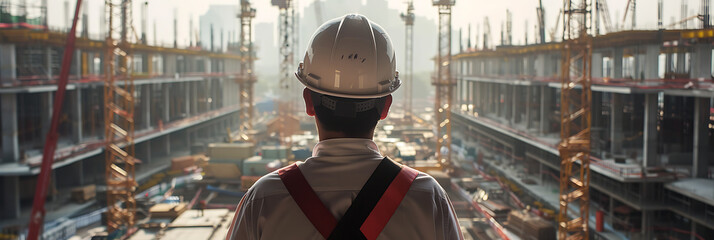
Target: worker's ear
[387, 104]
[309, 108]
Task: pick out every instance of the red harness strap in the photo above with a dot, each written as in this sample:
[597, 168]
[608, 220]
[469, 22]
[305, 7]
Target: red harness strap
[322, 219]
[307, 200]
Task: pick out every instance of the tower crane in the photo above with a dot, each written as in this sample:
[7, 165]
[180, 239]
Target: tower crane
[119, 105]
[575, 111]
[486, 33]
[37, 216]
[408, 18]
[286, 33]
[541, 21]
[444, 85]
[246, 79]
[605, 11]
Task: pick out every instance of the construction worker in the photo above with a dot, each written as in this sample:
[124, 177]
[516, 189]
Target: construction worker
[347, 189]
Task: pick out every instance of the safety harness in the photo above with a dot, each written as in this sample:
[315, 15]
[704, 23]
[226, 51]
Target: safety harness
[370, 211]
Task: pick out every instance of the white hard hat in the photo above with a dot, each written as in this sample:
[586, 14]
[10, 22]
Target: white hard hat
[350, 57]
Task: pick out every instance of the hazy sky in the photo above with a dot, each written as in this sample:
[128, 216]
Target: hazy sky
[464, 13]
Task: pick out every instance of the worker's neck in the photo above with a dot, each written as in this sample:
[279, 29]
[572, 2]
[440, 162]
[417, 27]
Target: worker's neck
[324, 134]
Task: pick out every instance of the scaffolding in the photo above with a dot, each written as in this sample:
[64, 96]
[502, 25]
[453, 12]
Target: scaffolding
[119, 103]
[408, 18]
[246, 79]
[575, 100]
[444, 85]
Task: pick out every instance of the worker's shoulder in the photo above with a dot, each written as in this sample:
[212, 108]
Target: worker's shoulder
[268, 185]
[426, 183]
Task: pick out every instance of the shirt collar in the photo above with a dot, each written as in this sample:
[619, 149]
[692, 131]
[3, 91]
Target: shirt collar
[346, 147]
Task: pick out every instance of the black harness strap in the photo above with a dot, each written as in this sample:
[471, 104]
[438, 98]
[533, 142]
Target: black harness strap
[349, 225]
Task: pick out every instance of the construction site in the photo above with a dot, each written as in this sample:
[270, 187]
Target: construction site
[588, 127]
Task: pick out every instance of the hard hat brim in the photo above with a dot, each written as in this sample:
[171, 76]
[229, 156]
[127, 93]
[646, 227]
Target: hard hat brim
[344, 95]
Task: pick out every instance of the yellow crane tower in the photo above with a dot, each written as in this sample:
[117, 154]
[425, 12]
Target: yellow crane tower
[408, 18]
[286, 33]
[444, 85]
[119, 116]
[575, 100]
[246, 80]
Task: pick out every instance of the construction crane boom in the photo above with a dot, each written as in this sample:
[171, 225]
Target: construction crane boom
[541, 21]
[37, 217]
[444, 85]
[605, 11]
[408, 18]
[575, 111]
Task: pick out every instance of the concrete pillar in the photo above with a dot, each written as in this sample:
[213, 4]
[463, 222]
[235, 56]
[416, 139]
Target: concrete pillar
[701, 61]
[10, 145]
[617, 62]
[515, 103]
[700, 161]
[45, 110]
[8, 64]
[649, 149]
[616, 134]
[207, 91]
[187, 98]
[48, 62]
[545, 102]
[597, 129]
[167, 144]
[76, 110]
[149, 152]
[693, 232]
[645, 228]
[166, 93]
[10, 208]
[596, 71]
[194, 98]
[529, 92]
[651, 62]
[146, 105]
[681, 62]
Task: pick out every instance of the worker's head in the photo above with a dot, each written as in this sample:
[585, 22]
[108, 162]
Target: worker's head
[349, 72]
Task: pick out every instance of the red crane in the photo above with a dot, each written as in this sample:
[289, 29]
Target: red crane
[38, 206]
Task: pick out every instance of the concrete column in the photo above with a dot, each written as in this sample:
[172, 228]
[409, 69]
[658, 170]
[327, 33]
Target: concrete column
[545, 102]
[45, 110]
[651, 62]
[166, 93]
[597, 129]
[48, 62]
[167, 144]
[146, 105]
[693, 232]
[8, 65]
[187, 98]
[596, 71]
[10, 208]
[76, 109]
[10, 145]
[646, 222]
[617, 62]
[529, 92]
[701, 61]
[515, 102]
[649, 149]
[540, 66]
[616, 134]
[194, 98]
[149, 152]
[700, 161]
[207, 91]
[681, 62]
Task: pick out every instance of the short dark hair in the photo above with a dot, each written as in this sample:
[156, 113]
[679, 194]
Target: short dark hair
[360, 124]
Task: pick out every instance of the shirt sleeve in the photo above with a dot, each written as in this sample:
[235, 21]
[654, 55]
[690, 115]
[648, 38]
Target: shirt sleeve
[449, 222]
[243, 227]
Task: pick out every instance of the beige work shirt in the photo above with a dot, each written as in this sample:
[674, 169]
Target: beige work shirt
[336, 172]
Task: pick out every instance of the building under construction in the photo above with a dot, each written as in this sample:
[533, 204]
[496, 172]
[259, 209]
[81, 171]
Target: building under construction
[604, 133]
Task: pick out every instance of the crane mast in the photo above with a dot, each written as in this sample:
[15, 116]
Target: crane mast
[575, 111]
[119, 102]
[286, 33]
[444, 85]
[246, 79]
[408, 18]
